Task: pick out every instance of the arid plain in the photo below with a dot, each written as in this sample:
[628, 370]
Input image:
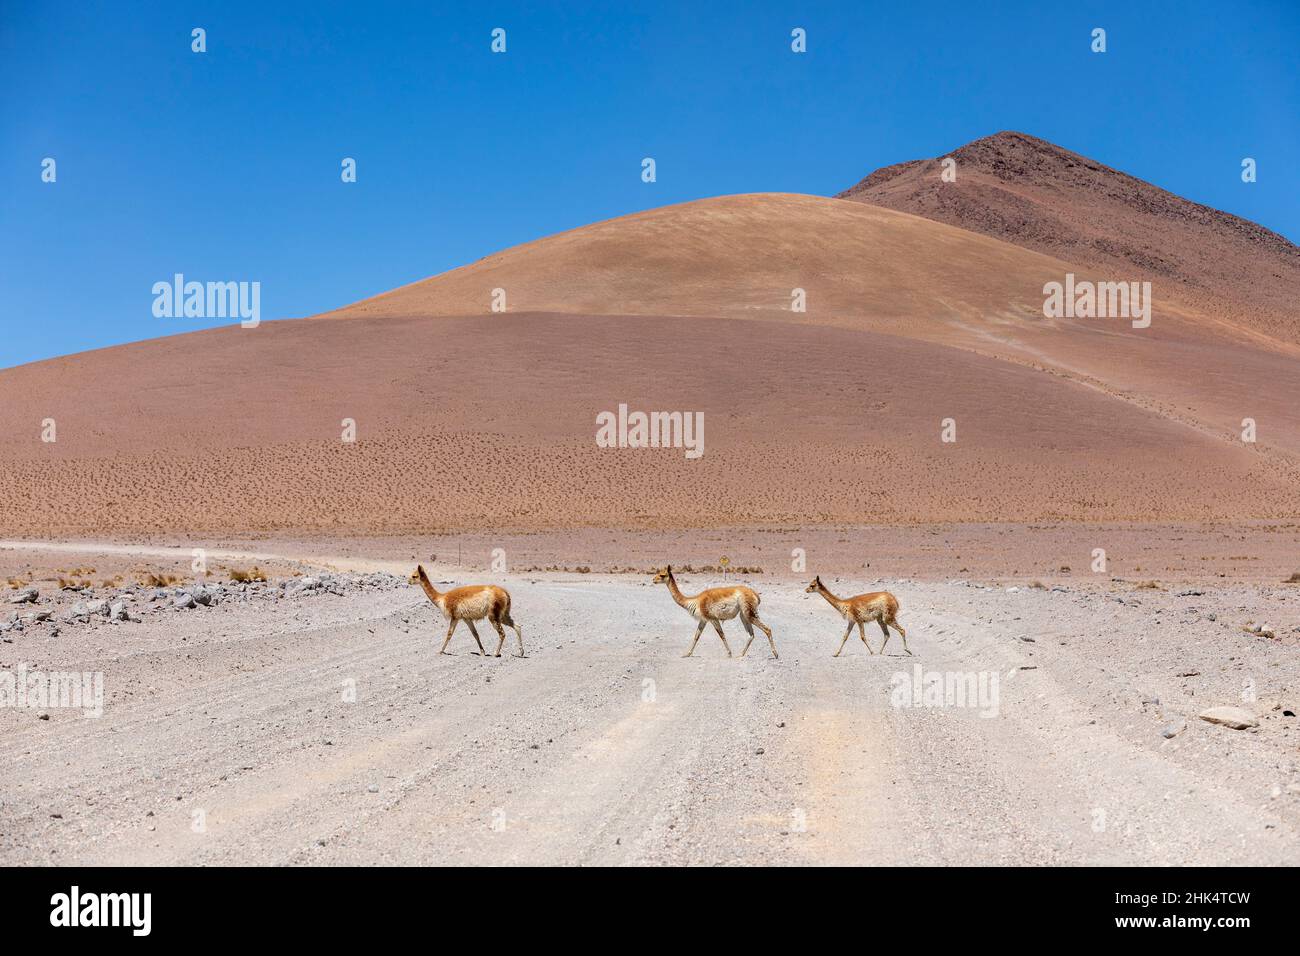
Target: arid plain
[1174, 449]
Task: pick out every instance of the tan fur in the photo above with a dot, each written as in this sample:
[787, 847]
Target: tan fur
[469, 604]
[717, 605]
[878, 606]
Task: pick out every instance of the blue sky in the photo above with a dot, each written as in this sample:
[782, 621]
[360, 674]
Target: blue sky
[225, 165]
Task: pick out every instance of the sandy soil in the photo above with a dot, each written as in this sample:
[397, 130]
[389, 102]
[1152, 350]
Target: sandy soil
[605, 746]
[803, 425]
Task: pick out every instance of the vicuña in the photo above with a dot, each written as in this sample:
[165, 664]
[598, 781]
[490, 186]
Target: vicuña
[878, 606]
[717, 605]
[469, 604]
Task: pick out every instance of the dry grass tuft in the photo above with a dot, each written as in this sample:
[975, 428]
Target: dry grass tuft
[241, 576]
[155, 579]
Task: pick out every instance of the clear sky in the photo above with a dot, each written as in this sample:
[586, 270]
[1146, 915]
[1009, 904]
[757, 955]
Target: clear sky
[225, 165]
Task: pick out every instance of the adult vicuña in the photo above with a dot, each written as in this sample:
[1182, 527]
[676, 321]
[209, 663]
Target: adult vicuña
[878, 606]
[717, 605]
[472, 603]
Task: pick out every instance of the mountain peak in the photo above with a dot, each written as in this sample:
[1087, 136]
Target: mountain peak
[1035, 194]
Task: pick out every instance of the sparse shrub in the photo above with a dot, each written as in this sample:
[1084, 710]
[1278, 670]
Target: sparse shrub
[1148, 585]
[241, 576]
[1293, 579]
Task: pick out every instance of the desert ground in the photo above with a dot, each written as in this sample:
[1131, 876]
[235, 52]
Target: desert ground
[314, 723]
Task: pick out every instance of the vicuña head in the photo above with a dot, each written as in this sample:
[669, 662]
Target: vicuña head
[665, 575]
[814, 585]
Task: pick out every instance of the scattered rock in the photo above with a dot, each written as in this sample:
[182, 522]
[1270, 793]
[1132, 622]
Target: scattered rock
[1263, 630]
[25, 596]
[1173, 728]
[183, 600]
[1236, 718]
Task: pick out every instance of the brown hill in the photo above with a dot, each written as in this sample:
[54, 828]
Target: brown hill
[1029, 192]
[488, 420]
[742, 256]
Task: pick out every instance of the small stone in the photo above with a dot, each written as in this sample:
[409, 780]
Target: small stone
[1173, 728]
[25, 596]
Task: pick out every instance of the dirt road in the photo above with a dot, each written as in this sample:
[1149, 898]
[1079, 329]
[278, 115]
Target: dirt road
[326, 730]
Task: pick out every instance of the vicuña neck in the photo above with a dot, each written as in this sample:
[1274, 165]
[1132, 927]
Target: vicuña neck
[825, 592]
[429, 589]
[675, 591]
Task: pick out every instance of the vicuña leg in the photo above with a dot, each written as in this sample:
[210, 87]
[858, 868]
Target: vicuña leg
[862, 633]
[451, 630]
[474, 631]
[881, 622]
[768, 631]
[901, 633]
[519, 635]
[847, 631]
[502, 635]
[718, 627]
[749, 629]
[698, 631]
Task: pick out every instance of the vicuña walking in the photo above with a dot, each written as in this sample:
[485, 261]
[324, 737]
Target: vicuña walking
[878, 606]
[473, 603]
[717, 605]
